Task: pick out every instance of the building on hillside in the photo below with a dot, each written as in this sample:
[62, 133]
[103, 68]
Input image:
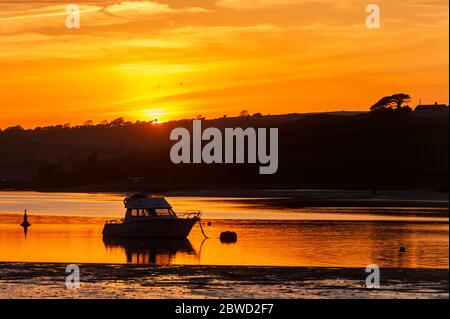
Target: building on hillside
[430, 110]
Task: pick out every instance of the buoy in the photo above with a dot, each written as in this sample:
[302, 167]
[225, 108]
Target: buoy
[228, 237]
[402, 249]
[209, 224]
[25, 222]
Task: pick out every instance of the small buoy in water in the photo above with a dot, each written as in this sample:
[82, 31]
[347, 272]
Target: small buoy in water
[228, 237]
[25, 222]
[402, 249]
[209, 223]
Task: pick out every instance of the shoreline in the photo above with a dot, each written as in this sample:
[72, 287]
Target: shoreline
[300, 198]
[47, 280]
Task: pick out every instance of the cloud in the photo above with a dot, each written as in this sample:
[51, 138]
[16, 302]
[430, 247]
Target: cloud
[28, 12]
[147, 8]
[252, 4]
[28, 17]
[343, 4]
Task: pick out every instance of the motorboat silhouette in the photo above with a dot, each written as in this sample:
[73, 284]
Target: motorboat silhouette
[151, 217]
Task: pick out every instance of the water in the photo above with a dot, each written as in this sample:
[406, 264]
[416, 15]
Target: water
[67, 228]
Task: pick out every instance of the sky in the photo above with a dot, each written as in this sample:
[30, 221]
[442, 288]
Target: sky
[173, 59]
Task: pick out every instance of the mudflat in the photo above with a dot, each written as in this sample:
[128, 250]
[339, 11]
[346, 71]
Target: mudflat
[47, 280]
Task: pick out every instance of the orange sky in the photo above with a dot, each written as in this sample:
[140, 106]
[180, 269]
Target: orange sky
[177, 58]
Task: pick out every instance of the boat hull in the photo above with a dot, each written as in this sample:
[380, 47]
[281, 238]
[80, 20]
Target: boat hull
[157, 228]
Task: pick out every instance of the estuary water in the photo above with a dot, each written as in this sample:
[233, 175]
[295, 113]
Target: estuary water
[66, 227]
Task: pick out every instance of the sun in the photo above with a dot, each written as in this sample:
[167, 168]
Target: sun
[157, 115]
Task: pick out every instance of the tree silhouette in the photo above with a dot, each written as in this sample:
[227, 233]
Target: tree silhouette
[117, 122]
[16, 128]
[244, 113]
[392, 105]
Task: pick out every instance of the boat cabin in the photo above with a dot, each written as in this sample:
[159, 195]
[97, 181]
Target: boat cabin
[140, 206]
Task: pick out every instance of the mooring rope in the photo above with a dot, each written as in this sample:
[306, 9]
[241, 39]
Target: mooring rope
[201, 228]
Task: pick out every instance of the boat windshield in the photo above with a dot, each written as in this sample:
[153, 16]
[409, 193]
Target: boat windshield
[164, 212]
[149, 212]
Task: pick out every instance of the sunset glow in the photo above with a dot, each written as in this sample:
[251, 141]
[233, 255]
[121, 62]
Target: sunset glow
[174, 59]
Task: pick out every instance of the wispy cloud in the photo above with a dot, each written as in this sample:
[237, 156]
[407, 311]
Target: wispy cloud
[28, 16]
[252, 4]
[148, 8]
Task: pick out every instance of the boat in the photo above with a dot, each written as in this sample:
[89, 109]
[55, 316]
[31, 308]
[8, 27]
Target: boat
[150, 216]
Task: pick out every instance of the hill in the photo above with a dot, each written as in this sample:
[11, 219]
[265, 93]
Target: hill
[315, 151]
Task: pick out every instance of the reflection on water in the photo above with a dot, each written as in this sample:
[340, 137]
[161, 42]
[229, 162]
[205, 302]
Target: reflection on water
[151, 251]
[270, 242]
[302, 237]
[25, 230]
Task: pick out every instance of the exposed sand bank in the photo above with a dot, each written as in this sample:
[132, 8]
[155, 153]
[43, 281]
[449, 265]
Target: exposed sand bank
[41, 280]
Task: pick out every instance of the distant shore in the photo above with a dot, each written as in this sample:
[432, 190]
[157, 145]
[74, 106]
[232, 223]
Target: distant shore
[295, 198]
[47, 280]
